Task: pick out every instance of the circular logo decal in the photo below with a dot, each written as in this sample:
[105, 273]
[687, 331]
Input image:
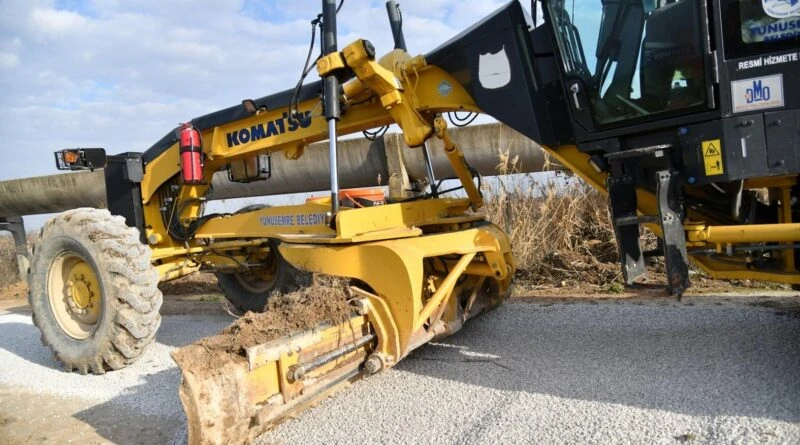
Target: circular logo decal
[781, 8]
[445, 88]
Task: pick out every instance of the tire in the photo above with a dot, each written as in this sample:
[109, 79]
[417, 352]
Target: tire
[250, 291]
[93, 291]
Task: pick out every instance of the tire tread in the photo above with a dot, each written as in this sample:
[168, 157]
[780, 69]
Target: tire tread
[131, 290]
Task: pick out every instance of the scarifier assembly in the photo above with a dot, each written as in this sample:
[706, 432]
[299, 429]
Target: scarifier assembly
[670, 115]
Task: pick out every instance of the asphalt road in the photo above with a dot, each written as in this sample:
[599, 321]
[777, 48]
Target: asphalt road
[711, 370]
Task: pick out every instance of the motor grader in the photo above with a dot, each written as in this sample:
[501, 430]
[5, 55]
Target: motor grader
[686, 113]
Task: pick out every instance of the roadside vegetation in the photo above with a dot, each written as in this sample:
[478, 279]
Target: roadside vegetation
[8, 261]
[560, 229]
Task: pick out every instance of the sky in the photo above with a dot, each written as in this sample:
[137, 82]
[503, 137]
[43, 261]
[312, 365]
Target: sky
[120, 74]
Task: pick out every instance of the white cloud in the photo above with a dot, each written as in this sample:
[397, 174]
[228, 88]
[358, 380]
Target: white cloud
[58, 23]
[8, 60]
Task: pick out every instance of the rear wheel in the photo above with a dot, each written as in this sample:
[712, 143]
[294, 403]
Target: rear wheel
[250, 290]
[93, 291]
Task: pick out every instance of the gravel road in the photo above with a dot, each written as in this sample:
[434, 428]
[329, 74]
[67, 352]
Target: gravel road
[711, 370]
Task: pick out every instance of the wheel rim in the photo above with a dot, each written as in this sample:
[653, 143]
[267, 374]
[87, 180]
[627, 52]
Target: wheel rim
[259, 280]
[74, 294]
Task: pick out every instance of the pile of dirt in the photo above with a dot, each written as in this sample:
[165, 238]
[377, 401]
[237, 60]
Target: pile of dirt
[288, 314]
[324, 301]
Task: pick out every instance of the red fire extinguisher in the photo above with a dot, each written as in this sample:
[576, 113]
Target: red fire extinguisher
[191, 155]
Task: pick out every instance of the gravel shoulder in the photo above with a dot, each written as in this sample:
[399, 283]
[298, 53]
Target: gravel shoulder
[40, 403]
[539, 370]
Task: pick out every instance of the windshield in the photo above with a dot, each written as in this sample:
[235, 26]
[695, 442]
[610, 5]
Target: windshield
[634, 58]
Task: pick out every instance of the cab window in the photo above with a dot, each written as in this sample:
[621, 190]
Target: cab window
[635, 58]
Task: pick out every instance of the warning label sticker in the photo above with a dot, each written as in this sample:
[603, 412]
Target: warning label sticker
[712, 157]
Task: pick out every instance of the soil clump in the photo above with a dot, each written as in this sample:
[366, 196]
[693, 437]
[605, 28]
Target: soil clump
[325, 301]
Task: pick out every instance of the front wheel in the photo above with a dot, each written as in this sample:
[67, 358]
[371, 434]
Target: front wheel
[93, 291]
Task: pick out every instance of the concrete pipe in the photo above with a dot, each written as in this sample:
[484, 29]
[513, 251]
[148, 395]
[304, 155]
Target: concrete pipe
[52, 193]
[365, 163]
[362, 163]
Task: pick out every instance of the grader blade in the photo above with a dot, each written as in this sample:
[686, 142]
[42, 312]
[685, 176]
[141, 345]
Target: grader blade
[232, 398]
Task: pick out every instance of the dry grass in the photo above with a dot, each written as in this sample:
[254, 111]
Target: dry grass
[559, 230]
[9, 273]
